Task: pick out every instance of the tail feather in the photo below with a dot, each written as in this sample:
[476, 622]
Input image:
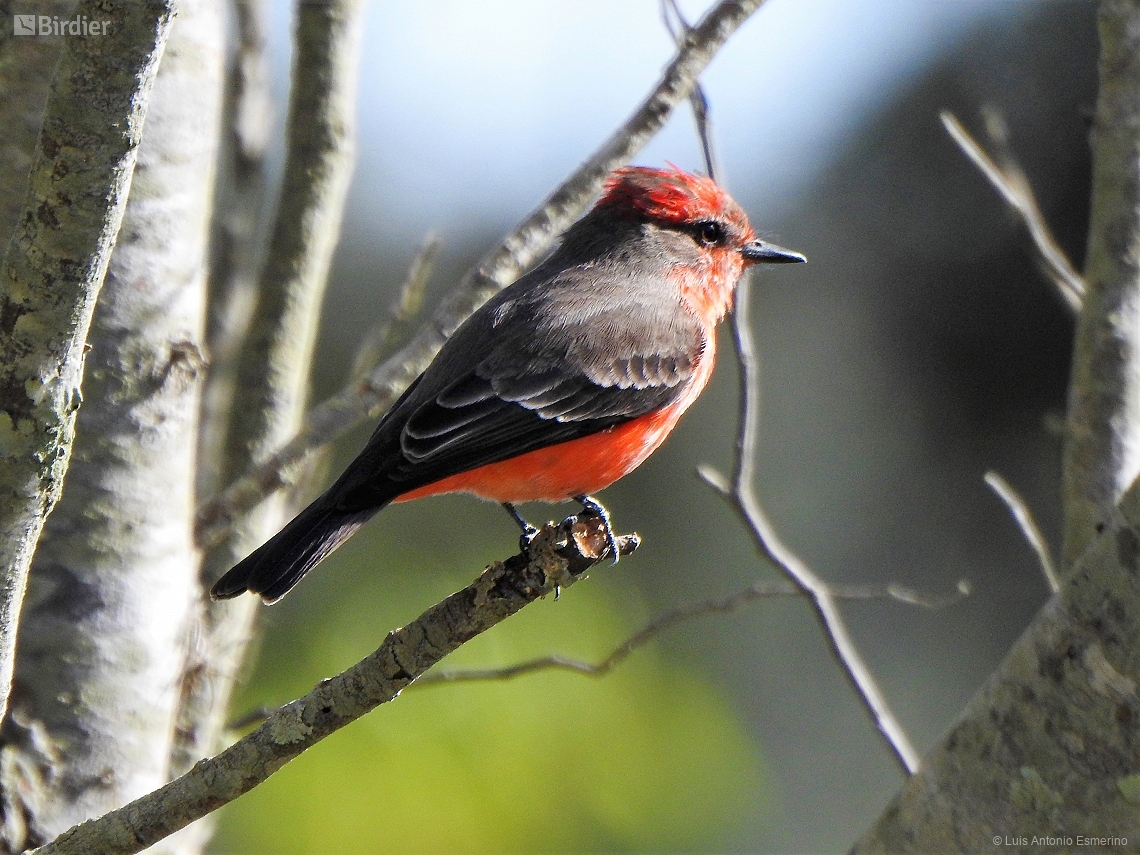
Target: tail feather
[279, 563]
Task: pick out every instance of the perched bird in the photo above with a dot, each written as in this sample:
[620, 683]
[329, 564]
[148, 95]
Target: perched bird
[561, 383]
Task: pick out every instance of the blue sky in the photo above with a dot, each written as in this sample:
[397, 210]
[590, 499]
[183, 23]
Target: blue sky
[475, 110]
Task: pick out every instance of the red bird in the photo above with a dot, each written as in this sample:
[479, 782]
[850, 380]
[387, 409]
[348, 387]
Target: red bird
[561, 383]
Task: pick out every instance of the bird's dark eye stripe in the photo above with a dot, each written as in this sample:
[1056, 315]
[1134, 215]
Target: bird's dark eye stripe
[710, 232]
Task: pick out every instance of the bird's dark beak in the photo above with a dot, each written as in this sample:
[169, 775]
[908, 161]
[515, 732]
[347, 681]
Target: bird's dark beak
[759, 252]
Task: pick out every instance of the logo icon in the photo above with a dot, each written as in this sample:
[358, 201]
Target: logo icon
[23, 25]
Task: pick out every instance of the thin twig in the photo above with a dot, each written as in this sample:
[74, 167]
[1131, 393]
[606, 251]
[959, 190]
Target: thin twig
[741, 495]
[521, 248]
[698, 101]
[657, 626]
[1009, 180]
[556, 557]
[1024, 519]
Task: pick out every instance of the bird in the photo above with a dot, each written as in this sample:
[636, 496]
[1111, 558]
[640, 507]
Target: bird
[561, 383]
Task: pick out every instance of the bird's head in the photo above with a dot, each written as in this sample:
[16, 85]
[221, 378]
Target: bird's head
[698, 207]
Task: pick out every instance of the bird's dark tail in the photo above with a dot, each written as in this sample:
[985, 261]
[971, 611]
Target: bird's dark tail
[278, 564]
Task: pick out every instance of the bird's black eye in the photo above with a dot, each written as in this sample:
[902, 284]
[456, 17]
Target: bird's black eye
[710, 233]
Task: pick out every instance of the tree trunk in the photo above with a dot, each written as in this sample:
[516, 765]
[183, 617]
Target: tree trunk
[106, 621]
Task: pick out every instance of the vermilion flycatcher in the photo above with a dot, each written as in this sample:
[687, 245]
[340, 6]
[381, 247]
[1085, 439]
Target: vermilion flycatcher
[561, 383]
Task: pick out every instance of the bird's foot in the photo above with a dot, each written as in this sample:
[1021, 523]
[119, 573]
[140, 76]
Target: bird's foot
[528, 531]
[591, 504]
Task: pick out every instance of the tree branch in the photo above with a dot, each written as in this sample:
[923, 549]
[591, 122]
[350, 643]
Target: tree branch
[555, 558]
[498, 268]
[1013, 187]
[274, 366]
[741, 495]
[103, 633]
[1102, 431]
[54, 266]
[1021, 514]
[273, 371]
[243, 184]
[661, 623]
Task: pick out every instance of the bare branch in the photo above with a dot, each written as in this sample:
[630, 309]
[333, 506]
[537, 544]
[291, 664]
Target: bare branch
[1011, 183]
[1024, 519]
[915, 598]
[741, 495]
[555, 558]
[273, 371]
[1102, 431]
[679, 29]
[657, 626]
[499, 267]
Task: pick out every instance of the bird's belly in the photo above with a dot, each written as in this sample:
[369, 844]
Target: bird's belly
[557, 472]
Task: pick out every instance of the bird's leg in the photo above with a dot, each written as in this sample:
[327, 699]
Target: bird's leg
[528, 531]
[591, 504]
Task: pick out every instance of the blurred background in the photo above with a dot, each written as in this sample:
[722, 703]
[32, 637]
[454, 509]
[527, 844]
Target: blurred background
[920, 347]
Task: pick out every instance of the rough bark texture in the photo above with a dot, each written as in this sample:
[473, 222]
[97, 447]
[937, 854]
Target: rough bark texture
[26, 66]
[1050, 747]
[557, 557]
[105, 624]
[1102, 445]
[54, 267]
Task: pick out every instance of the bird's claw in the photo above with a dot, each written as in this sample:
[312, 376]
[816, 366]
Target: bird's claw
[591, 504]
[526, 537]
[528, 531]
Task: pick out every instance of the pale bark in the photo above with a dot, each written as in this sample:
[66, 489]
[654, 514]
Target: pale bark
[1102, 440]
[54, 267]
[273, 368]
[105, 625]
[26, 66]
[242, 194]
